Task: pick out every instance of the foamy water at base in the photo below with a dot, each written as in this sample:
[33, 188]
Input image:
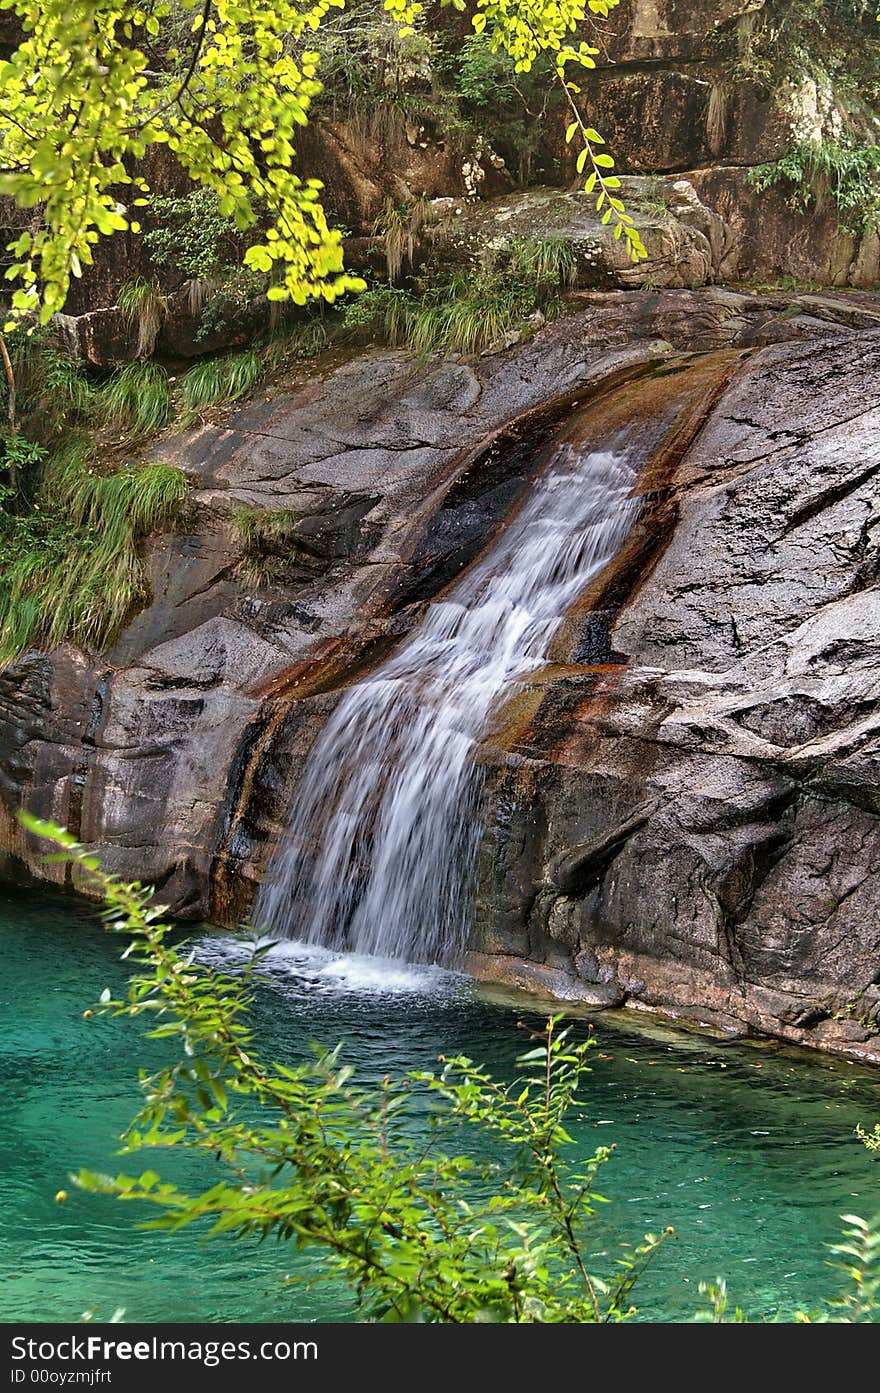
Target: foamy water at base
[303, 969]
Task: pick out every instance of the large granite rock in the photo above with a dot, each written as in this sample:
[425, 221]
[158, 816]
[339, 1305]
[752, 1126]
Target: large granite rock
[683, 239]
[682, 811]
[662, 94]
[697, 827]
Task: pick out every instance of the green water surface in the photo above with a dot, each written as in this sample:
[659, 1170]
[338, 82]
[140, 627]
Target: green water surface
[748, 1151]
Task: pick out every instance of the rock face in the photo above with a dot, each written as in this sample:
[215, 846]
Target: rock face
[682, 809]
[661, 95]
[698, 827]
[698, 228]
[684, 241]
[764, 238]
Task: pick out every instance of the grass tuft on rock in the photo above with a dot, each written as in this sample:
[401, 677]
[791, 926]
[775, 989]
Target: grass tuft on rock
[268, 542]
[69, 564]
[472, 311]
[142, 303]
[136, 399]
[545, 261]
[223, 379]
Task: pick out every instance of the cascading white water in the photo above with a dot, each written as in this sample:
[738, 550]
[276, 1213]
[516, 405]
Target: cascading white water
[381, 839]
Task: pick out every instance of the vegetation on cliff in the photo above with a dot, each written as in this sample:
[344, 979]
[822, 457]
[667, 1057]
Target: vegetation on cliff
[208, 102]
[819, 60]
[840, 170]
[225, 87]
[781, 42]
[69, 563]
[463, 314]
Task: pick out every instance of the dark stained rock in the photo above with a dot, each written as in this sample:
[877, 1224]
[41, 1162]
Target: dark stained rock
[362, 164]
[662, 119]
[666, 30]
[184, 334]
[577, 868]
[654, 120]
[10, 33]
[100, 337]
[768, 239]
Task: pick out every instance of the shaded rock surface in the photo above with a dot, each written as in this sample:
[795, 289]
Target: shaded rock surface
[682, 809]
[699, 227]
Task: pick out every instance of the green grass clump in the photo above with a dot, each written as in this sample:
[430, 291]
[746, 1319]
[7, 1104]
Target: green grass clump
[268, 543]
[305, 341]
[53, 390]
[136, 399]
[473, 311]
[400, 229]
[655, 198]
[546, 261]
[221, 379]
[468, 314]
[69, 564]
[66, 383]
[463, 316]
[383, 311]
[142, 302]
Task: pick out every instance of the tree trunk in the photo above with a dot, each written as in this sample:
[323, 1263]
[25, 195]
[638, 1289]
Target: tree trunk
[10, 378]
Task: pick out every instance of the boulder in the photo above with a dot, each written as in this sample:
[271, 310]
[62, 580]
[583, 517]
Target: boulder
[100, 338]
[680, 248]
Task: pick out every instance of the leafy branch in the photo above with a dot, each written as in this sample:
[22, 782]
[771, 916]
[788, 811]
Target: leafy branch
[82, 107]
[416, 1231]
[523, 29]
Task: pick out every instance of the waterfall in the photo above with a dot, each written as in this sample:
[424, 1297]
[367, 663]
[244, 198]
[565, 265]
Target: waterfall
[380, 845]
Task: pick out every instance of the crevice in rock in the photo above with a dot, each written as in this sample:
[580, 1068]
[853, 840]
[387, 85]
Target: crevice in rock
[576, 869]
[827, 498]
[79, 776]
